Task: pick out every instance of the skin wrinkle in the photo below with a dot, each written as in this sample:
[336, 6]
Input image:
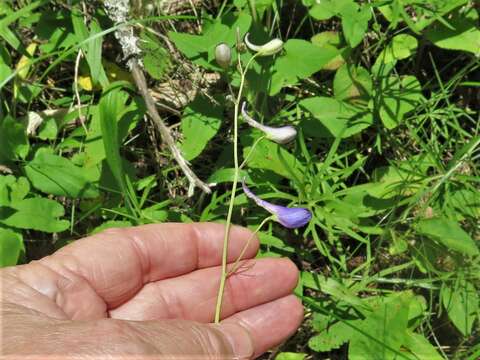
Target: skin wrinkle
[141, 251]
[75, 280]
[28, 288]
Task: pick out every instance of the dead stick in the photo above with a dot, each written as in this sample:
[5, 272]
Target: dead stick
[141, 83]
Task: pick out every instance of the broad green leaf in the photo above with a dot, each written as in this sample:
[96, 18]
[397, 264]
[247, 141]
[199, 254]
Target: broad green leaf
[156, 58]
[352, 83]
[332, 337]
[399, 96]
[11, 245]
[48, 129]
[462, 305]
[334, 118]
[462, 34]
[36, 214]
[57, 175]
[420, 348]
[13, 140]
[400, 47]
[55, 30]
[448, 233]
[384, 331]
[325, 9]
[201, 120]
[355, 23]
[300, 60]
[268, 155]
[331, 41]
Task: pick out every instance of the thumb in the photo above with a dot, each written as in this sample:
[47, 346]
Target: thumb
[192, 340]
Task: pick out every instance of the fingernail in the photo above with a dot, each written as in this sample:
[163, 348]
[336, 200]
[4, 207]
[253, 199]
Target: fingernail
[239, 339]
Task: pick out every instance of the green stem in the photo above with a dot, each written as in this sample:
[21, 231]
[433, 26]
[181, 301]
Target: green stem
[223, 277]
[244, 162]
[235, 265]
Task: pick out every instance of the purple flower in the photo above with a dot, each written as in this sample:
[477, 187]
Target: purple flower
[289, 217]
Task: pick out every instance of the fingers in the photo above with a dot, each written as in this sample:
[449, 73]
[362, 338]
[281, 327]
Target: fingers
[270, 324]
[193, 296]
[241, 336]
[118, 262]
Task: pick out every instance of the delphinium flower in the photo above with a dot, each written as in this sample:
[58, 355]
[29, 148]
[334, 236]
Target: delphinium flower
[289, 217]
[280, 135]
[270, 48]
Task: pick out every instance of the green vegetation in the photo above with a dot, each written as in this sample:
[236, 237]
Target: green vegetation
[385, 99]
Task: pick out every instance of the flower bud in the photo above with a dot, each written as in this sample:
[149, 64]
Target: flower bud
[270, 48]
[223, 55]
[281, 135]
[291, 218]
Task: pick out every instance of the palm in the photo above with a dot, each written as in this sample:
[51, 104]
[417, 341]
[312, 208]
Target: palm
[168, 271]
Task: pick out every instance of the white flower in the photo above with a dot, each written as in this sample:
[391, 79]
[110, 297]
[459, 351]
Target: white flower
[270, 48]
[280, 135]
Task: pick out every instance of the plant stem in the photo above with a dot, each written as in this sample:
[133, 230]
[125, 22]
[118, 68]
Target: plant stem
[224, 274]
[235, 265]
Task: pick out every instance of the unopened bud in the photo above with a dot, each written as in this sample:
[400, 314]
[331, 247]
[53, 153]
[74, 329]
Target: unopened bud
[223, 55]
[270, 48]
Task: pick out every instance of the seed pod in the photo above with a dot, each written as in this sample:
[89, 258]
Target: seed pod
[270, 48]
[223, 55]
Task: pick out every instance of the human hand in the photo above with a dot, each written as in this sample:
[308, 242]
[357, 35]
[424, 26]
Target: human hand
[149, 290]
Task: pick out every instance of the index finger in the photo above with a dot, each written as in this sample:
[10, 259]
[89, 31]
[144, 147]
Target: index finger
[117, 263]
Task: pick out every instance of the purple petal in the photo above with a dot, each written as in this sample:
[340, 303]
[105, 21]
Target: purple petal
[289, 217]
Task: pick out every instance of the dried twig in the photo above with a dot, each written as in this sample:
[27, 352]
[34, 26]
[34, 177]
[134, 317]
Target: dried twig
[141, 83]
[118, 11]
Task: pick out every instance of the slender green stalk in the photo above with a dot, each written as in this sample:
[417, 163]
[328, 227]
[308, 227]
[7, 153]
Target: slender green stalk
[236, 265]
[224, 274]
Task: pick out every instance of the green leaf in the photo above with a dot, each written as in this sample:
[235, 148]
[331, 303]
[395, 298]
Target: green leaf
[57, 175]
[111, 224]
[13, 140]
[399, 96]
[11, 245]
[334, 118]
[448, 233]
[355, 23]
[420, 348]
[290, 356]
[300, 60]
[156, 58]
[36, 214]
[55, 28]
[461, 303]
[351, 83]
[268, 155]
[201, 120]
[92, 49]
[110, 107]
[462, 34]
[332, 337]
[384, 330]
[400, 47]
